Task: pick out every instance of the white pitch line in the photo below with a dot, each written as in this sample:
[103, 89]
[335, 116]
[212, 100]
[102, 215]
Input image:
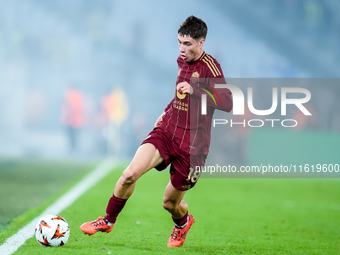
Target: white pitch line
[18, 239]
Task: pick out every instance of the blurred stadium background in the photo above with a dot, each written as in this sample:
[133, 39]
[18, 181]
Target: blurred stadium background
[113, 63]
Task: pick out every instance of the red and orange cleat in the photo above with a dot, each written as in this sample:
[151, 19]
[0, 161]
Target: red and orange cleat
[178, 235]
[93, 227]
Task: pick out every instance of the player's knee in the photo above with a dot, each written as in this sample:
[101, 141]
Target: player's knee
[128, 177]
[169, 205]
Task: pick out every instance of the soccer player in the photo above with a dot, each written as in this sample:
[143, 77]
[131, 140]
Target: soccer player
[181, 136]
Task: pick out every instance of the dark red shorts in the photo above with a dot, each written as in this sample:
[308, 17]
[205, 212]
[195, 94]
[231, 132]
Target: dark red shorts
[183, 175]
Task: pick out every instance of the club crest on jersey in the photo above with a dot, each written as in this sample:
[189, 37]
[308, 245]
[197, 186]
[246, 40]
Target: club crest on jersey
[194, 77]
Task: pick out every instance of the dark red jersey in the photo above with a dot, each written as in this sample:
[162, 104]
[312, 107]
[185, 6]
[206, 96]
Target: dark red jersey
[183, 119]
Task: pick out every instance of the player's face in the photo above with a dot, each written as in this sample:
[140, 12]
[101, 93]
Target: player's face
[189, 48]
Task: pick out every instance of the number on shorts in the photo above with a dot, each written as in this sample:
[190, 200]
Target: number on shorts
[194, 174]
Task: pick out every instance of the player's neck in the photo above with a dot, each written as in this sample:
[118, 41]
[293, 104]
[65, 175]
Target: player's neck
[199, 55]
[197, 58]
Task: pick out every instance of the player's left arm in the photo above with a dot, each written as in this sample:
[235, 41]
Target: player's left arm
[217, 98]
[212, 74]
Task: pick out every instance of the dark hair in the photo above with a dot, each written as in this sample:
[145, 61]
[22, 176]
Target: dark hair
[193, 27]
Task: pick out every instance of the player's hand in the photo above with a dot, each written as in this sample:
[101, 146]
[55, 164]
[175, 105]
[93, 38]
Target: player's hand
[160, 118]
[184, 88]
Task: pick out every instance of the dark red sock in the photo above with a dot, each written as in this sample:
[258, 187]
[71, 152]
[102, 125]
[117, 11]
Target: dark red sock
[114, 207]
[180, 222]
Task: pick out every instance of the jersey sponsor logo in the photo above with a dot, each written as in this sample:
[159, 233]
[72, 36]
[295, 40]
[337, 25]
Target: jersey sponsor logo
[180, 105]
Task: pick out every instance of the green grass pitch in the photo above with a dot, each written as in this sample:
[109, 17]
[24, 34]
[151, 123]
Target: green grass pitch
[25, 183]
[233, 216]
